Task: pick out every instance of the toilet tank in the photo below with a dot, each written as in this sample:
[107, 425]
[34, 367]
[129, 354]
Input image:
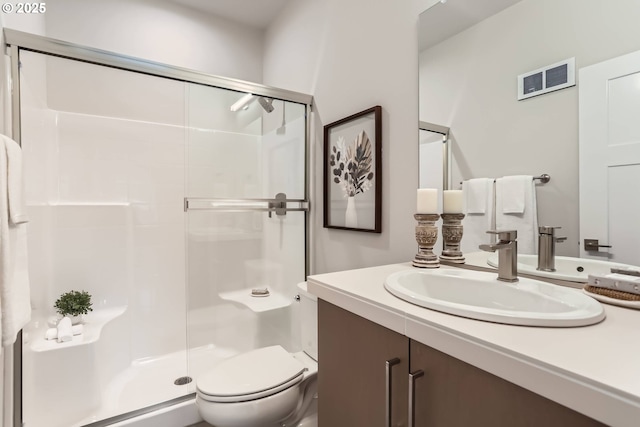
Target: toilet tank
[309, 321]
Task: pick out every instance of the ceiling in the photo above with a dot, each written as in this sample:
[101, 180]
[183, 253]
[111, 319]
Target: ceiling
[254, 13]
[443, 20]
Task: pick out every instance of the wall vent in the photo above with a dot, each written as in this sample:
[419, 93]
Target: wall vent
[547, 79]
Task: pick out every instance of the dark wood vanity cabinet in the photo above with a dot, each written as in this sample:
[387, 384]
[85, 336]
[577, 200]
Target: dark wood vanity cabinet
[354, 355]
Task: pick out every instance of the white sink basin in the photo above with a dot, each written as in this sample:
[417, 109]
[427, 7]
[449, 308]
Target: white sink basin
[479, 295]
[567, 268]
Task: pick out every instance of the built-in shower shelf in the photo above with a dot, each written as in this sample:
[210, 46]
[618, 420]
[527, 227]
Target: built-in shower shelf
[274, 301]
[93, 324]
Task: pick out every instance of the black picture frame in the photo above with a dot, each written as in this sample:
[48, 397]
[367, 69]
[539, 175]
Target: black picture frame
[353, 172]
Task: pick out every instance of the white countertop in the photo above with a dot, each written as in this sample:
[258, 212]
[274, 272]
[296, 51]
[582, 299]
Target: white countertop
[594, 369]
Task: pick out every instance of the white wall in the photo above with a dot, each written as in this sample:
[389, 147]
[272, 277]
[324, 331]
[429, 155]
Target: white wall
[468, 83]
[352, 55]
[160, 31]
[30, 23]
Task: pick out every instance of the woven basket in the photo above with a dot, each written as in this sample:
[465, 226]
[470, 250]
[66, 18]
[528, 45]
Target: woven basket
[612, 293]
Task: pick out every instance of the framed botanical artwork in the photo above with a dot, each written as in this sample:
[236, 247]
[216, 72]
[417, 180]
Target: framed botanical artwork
[352, 172]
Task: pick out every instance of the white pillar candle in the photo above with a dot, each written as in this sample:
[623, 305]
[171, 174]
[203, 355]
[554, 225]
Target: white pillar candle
[427, 201]
[452, 201]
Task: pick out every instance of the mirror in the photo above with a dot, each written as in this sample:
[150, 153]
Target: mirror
[468, 83]
[434, 156]
[435, 163]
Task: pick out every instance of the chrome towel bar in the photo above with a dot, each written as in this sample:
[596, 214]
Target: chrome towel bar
[544, 178]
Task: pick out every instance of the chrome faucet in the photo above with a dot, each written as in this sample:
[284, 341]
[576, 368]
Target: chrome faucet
[507, 248]
[547, 248]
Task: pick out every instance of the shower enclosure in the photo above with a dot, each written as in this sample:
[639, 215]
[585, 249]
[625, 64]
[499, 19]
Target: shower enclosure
[169, 196]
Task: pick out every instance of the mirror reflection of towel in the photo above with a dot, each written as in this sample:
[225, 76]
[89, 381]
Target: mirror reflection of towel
[479, 213]
[476, 192]
[513, 191]
[516, 209]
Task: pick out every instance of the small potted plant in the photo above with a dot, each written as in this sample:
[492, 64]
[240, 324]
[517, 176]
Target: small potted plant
[74, 304]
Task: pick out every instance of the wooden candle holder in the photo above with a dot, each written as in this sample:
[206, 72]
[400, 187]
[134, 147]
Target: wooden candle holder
[426, 236]
[452, 235]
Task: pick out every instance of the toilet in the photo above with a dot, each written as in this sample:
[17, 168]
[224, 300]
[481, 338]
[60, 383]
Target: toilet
[266, 387]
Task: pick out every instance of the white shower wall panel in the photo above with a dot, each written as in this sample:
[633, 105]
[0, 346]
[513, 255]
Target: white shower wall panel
[38, 169]
[223, 164]
[157, 301]
[41, 131]
[90, 250]
[104, 161]
[283, 262]
[40, 189]
[111, 160]
[220, 243]
[282, 152]
[33, 83]
[105, 185]
[108, 92]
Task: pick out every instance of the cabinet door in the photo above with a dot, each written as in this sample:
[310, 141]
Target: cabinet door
[352, 355]
[453, 393]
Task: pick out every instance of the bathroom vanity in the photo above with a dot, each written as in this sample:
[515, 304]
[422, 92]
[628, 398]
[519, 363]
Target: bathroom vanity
[465, 372]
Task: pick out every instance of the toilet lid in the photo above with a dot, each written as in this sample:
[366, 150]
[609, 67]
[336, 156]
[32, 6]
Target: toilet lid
[251, 375]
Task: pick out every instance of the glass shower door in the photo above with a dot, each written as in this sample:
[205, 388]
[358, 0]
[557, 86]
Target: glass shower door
[170, 208]
[246, 222]
[104, 171]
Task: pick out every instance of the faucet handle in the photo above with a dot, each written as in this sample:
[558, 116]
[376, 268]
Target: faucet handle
[505, 235]
[545, 229]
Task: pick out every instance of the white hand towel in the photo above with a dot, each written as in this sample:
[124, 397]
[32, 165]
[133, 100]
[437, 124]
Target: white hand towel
[15, 303]
[475, 195]
[65, 330]
[52, 333]
[513, 191]
[17, 207]
[525, 223]
[479, 213]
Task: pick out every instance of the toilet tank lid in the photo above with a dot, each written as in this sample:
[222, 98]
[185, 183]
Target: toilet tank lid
[251, 372]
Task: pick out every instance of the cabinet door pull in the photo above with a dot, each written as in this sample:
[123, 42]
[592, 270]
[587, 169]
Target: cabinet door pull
[413, 376]
[388, 394]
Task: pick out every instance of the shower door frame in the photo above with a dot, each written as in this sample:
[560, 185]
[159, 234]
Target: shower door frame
[16, 41]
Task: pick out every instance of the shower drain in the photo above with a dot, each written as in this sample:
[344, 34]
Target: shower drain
[183, 381]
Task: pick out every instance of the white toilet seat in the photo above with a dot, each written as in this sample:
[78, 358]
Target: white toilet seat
[253, 375]
[252, 396]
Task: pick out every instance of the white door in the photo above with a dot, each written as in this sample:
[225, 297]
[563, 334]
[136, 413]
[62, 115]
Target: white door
[609, 100]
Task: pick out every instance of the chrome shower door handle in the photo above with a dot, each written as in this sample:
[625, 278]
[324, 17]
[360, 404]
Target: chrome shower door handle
[279, 205]
[413, 376]
[388, 393]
